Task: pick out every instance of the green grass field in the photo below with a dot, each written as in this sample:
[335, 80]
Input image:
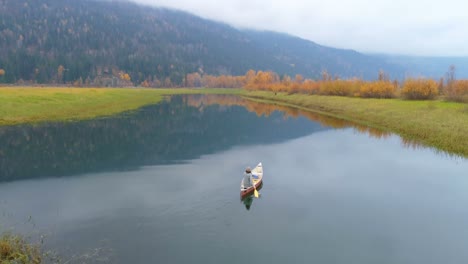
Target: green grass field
[30, 104]
[439, 124]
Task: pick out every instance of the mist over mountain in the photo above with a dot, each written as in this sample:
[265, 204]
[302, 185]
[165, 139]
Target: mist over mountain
[430, 67]
[66, 41]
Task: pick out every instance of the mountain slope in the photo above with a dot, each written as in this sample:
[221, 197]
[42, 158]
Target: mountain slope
[311, 59]
[431, 67]
[91, 39]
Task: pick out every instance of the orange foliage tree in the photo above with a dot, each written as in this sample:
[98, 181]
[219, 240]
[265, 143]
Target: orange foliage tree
[378, 89]
[194, 80]
[60, 71]
[458, 91]
[354, 87]
[419, 89]
[124, 76]
[341, 87]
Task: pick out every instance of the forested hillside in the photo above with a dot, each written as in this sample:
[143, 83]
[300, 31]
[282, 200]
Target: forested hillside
[108, 43]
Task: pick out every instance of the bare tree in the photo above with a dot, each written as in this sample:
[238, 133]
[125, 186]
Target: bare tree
[450, 77]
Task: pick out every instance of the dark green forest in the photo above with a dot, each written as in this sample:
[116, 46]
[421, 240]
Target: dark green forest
[107, 43]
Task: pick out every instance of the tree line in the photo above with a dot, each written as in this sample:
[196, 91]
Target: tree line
[410, 88]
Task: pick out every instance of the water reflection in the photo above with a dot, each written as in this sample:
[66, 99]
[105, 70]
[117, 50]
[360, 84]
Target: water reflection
[178, 129]
[170, 132]
[264, 109]
[247, 201]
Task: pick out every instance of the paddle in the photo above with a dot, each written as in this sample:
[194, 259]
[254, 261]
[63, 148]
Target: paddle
[255, 189]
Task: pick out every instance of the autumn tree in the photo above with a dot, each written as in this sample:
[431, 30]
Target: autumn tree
[326, 76]
[415, 89]
[194, 80]
[383, 76]
[145, 84]
[2, 75]
[60, 71]
[250, 75]
[310, 87]
[297, 84]
[124, 76]
[459, 91]
[299, 79]
[167, 82]
[249, 79]
[441, 86]
[78, 82]
[378, 89]
[450, 77]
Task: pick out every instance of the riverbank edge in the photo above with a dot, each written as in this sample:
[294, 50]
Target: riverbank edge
[437, 124]
[33, 105]
[444, 126]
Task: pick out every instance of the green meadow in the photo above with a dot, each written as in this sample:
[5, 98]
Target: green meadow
[30, 104]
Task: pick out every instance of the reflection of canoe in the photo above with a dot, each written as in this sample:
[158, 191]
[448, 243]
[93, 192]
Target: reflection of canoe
[257, 175]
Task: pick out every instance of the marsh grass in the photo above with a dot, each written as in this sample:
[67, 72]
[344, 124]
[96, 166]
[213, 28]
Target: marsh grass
[439, 124]
[17, 249]
[14, 249]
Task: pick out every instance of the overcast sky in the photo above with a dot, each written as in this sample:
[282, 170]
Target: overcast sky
[413, 27]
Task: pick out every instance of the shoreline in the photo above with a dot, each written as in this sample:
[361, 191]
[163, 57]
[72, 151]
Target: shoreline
[31, 105]
[439, 124]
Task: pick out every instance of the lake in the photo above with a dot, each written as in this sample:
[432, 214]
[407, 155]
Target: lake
[161, 185]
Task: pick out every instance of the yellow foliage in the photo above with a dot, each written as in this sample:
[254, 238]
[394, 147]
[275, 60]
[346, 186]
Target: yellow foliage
[124, 76]
[415, 89]
[311, 87]
[145, 84]
[378, 89]
[459, 91]
[194, 79]
[340, 87]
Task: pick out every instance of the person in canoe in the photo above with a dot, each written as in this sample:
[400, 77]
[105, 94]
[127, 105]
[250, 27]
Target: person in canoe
[248, 181]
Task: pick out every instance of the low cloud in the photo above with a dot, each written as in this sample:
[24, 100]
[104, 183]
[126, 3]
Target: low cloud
[435, 28]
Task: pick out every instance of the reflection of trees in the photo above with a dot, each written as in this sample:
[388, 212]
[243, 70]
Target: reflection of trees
[264, 109]
[160, 134]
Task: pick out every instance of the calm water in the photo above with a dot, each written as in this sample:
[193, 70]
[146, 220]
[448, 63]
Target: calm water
[161, 185]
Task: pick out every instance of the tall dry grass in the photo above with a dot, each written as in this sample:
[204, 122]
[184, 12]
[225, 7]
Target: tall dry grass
[15, 249]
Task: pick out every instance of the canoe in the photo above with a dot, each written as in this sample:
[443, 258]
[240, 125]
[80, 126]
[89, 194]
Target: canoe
[257, 176]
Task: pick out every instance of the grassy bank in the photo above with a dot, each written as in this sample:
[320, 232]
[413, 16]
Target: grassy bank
[439, 124]
[31, 104]
[15, 249]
